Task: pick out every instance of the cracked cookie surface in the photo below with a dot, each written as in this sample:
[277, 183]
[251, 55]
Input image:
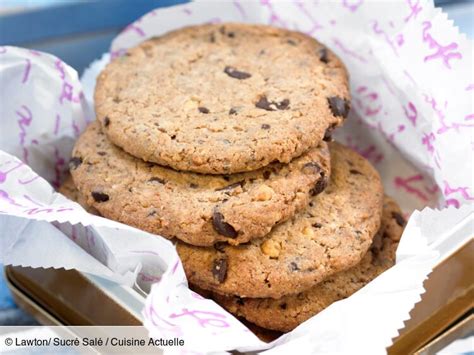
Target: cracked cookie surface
[198, 209]
[331, 235]
[288, 312]
[221, 99]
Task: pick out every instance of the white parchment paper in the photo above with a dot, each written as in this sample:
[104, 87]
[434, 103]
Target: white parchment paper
[412, 117]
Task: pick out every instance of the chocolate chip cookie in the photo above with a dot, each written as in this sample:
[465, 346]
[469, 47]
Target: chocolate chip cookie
[68, 189]
[288, 312]
[222, 98]
[331, 235]
[198, 209]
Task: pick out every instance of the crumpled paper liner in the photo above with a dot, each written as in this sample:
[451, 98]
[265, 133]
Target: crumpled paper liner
[411, 81]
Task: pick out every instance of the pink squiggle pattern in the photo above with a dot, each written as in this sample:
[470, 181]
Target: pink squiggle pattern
[148, 278]
[378, 31]
[408, 183]
[352, 6]
[24, 121]
[415, 9]
[28, 181]
[347, 51]
[36, 53]
[470, 87]
[411, 113]
[391, 136]
[56, 124]
[60, 68]
[117, 53]
[370, 152]
[5, 196]
[315, 24]
[135, 28]
[4, 174]
[212, 319]
[428, 140]
[161, 324]
[445, 53]
[175, 267]
[440, 113]
[240, 9]
[76, 129]
[367, 101]
[33, 201]
[448, 190]
[27, 71]
[469, 117]
[274, 18]
[59, 163]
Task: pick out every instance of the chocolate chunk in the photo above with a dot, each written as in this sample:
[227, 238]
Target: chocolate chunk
[99, 196]
[291, 42]
[157, 179]
[212, 37]
[311, 168]
[355, 172]
[240, 183]
[193, 185]
[399, 219]
[294, 266]
[226, 177]
[203, 110]
[283, 105]
[283, 306]
[102, 153]
[106, 121]
[339, 107]
[239, 300]
[264, 104]
[233, 111]
[74, 163]
[328, 134]
[231, 34]
[151, 213]
[222, 227]
[236, 74]
[320, 185]
[266, 174]
[220, 246]
[323, 55]
[219, 269]
[317, 225]
[265, 126]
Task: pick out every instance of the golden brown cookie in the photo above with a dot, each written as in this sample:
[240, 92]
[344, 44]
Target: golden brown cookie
[222, 98]
[198, 209]
[331, 235]
[288, 312]
[69, 190]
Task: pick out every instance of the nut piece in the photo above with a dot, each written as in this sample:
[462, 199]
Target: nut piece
[271, 248]
[308, 232]
[264, 193]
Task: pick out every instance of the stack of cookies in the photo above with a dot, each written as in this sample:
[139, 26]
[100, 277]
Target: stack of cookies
[218, 137]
